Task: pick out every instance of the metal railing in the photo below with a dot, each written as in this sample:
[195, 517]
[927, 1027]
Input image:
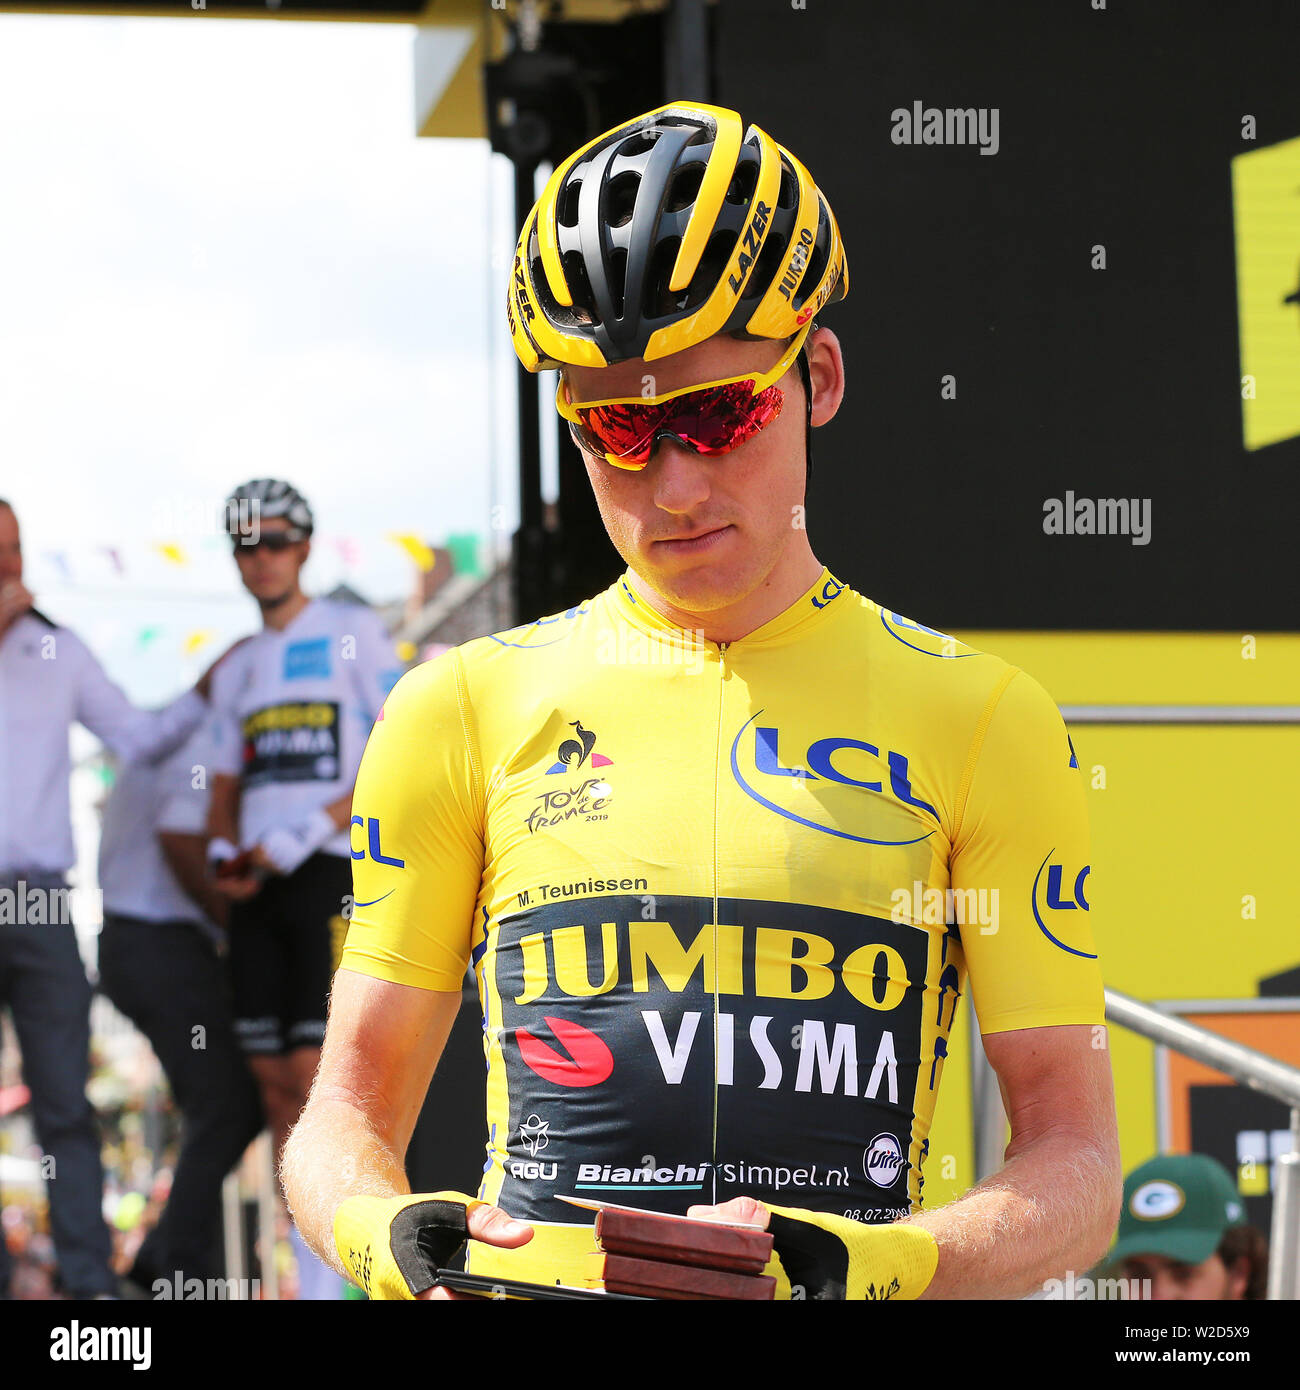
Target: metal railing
[1243, 1064]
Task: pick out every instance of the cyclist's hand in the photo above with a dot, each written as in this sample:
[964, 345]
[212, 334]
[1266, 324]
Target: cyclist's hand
[228, 870]
[285, 848]
[492, 1226]
[237, 889]
[745, 1211]
[824, 1256]
[393, 1247]
[15, 600]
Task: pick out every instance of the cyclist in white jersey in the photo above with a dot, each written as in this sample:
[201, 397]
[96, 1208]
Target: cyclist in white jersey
[292, 711]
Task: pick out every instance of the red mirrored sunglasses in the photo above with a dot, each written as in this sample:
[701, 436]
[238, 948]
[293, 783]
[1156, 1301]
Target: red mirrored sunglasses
[711, 418]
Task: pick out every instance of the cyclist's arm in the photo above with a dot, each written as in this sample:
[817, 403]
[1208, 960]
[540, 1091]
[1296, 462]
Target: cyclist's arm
[223, 809]
[1054, 1203]
[186, 858]
[1022, 840]
[381, 1046]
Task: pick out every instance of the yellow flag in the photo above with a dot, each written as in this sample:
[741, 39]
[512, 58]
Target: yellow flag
[1266, 213]
[169, 550]
[197, 639]
[414, 547]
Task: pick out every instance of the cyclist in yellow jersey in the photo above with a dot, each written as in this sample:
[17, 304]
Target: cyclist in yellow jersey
[724, 844]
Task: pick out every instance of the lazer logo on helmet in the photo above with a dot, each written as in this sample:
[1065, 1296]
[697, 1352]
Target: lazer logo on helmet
[751, 239]
[526, 310]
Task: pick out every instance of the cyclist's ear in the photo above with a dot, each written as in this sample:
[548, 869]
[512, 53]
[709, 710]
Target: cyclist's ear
[826, 369]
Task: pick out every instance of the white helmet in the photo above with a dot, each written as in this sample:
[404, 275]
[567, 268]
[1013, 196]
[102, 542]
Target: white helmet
[265, 498]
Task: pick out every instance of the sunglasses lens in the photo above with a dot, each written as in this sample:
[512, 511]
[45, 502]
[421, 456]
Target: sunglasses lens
[712, 420]
[274, 542]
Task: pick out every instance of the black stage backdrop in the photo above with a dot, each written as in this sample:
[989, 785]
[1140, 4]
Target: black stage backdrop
[1117, 128]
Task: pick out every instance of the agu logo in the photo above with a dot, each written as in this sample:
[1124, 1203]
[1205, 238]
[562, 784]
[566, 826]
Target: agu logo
[1156, 1201]
[883, 1160]
[588, 1061]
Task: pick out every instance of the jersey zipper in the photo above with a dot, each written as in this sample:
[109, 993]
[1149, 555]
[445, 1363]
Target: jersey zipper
[717, 801]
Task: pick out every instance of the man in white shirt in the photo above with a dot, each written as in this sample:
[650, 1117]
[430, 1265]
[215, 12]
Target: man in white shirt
[159, 963]
[49, 680]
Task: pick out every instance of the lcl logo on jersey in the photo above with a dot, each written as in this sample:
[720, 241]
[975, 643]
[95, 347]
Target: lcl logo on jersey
[1058, 890]
[767, 768]
[928, 641]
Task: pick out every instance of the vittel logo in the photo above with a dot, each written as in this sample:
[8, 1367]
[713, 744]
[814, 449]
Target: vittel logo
[883, 1160]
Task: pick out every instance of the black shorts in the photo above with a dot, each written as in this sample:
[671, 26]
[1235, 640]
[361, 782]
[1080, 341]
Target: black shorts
[285, 944]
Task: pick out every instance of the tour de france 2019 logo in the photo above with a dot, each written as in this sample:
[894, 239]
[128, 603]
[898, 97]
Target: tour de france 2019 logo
[583, 800]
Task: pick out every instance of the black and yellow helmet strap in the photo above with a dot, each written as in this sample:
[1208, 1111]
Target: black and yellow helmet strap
[806, 376]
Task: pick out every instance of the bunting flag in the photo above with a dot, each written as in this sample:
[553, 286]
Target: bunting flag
[414, 547]
[115, 557]
[465, 553]
[172, 552]
[148, 634]
[348, 549]
[198, 639]
[58, 558]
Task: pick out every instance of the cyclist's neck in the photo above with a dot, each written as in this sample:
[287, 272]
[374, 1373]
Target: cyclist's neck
[280, 614]
[793, 575]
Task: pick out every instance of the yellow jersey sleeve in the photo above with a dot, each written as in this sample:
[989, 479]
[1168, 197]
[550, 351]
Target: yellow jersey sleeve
[1019, 868]
[417, 834]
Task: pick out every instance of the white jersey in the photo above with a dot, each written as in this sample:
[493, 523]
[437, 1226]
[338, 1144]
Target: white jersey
[292, 711]
[172, 795]
[49, 680]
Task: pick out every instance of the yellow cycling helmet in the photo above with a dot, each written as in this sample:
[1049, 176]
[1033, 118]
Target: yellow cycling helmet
[664, 231]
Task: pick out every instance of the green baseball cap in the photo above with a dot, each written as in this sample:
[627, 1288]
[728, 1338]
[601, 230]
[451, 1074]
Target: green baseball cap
[1177, 1205]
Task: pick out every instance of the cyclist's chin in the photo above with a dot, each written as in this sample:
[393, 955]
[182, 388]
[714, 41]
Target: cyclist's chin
[705, 573]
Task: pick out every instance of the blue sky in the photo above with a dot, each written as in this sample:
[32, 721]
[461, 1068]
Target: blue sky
[227, 255]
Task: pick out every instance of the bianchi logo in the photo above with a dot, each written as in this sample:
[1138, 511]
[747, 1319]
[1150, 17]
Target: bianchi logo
[585, 799]
[883, 1160]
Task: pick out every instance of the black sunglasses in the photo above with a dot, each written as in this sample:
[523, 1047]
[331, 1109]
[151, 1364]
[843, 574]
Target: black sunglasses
[274, 541]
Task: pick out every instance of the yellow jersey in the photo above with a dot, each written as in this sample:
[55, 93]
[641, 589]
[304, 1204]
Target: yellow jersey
[721, 901]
